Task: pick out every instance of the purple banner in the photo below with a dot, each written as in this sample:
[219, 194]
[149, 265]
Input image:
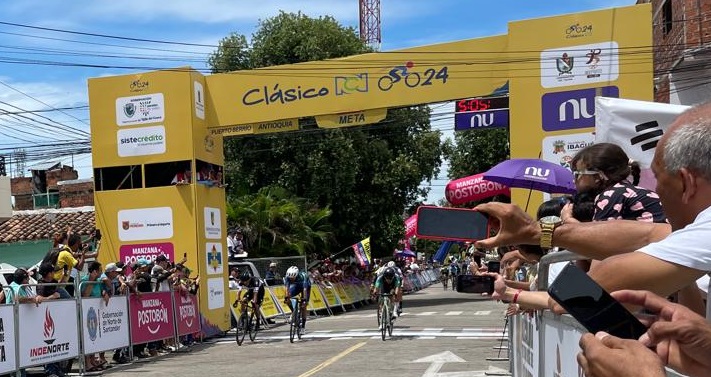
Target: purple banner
[151, 317]
[572, 109]
[477, 120]
[188, 317]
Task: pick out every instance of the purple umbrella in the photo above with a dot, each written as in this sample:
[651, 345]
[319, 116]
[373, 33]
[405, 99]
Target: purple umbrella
[533, 174]
[405, 253]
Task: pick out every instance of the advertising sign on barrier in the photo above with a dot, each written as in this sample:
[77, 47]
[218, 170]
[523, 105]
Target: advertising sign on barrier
[279, 292]
[526, 335]
[561, 342]
[7, 339]
[315, 299]
[187, 307]
[345, 298]
[151, 317]
[330, 294]
[352, 292]
[49, 332]
[269, 307]
[104, 326]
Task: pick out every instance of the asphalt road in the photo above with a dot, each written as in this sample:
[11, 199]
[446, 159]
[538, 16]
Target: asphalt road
[439, 334]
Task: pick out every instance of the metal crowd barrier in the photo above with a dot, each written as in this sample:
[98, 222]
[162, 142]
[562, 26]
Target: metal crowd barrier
[544, 343]
[62, 329]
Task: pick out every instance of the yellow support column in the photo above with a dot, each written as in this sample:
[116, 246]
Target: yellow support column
[149, 139]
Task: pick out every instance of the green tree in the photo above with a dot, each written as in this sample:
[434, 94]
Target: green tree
[274, 223]
[366, 175]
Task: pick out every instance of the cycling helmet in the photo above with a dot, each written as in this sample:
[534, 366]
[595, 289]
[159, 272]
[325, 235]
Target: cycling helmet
[391, 264]
[292, 272]
[389, 273]
[245, 276]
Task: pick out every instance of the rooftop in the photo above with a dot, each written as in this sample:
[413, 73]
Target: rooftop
[44, 223]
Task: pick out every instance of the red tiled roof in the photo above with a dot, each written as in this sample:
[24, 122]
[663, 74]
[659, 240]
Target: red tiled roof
[43, 224]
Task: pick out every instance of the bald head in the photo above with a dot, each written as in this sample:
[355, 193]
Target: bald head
[687, 143]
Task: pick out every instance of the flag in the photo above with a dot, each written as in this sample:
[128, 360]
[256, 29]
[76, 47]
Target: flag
[362, 252]
[636, 126]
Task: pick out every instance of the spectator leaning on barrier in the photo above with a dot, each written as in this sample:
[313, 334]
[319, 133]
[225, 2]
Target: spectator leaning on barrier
[46, 290]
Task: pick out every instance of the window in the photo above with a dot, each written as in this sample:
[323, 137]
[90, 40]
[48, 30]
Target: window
[667, 16]
[168, 173]
[117, 178]
[209, 174]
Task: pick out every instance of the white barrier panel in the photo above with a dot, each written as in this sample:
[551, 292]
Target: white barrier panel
[105, 327]
[561, 338]
[48, 333]
[7, 339]
[526, 346]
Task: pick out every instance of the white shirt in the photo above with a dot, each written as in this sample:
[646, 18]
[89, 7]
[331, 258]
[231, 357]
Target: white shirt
[689, 247]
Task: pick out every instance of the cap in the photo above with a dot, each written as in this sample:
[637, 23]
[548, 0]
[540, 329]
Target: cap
[112, 267]
[142, 262]
[161, 258]
[272, 264]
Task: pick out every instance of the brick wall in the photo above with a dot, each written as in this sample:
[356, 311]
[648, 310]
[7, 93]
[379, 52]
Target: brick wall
[24, 202]
[66, 173]
[21, 185]
[691, 28]
[76, 194]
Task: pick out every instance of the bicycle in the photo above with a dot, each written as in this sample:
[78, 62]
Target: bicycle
[454, 281]
[295, 327]
[445, 280]
[386, 307]
[247, 322]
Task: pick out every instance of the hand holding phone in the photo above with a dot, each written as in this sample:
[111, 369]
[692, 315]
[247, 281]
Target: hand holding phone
[590, 305]
[457, 224]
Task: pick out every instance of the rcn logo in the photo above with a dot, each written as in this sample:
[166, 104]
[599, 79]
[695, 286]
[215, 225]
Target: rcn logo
[573, 108]
[537, 172]
[351, 84]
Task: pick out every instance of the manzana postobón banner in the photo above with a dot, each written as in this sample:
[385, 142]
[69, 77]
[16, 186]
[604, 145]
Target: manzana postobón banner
[151, 317]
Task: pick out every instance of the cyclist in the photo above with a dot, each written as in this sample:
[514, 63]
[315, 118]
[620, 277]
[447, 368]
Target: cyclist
[398, 296]
[444, 275]
[297, 282]
[453, 271]
[388, 282]
[254, 291]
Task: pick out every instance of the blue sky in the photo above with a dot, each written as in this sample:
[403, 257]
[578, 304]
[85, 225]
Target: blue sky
[39, 68]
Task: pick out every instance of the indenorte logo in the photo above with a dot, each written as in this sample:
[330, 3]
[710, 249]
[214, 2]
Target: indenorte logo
[48, 327]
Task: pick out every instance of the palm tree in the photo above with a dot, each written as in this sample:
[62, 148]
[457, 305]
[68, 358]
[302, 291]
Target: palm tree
[275, 223]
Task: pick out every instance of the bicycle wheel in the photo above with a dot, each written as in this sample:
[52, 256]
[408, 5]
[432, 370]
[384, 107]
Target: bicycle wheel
[241, 329]
[379, 315]
[293, 329]
[253, 318]
[298, 332]
[386, 314]
[391, 322]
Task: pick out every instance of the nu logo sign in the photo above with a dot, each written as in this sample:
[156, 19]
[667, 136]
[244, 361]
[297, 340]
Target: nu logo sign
[573, 108]
[537, 172]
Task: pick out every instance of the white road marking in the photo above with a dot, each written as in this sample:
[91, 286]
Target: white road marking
[426, 313]
[482, 312]
[454, 313]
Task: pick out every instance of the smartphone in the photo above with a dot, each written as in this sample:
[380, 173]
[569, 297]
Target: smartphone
[475, 284]
[493, 266]
[594, 308]
[452, 224]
